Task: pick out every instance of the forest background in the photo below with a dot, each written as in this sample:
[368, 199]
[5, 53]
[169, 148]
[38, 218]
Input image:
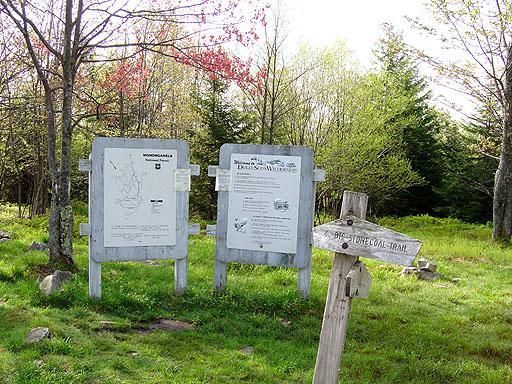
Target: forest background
[211, 73]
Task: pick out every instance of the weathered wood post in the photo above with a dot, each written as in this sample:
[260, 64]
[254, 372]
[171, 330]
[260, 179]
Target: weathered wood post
[352, 237]
[337, 305]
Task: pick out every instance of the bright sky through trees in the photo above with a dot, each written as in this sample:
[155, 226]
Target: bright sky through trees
[358, 24]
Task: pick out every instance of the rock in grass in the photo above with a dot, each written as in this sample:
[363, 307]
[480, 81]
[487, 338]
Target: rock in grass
[53, 283]
[427, 275]
[427, 265]
[36, 246]
[409, 271]
[37, 334]
[247, 350]
[5, 236]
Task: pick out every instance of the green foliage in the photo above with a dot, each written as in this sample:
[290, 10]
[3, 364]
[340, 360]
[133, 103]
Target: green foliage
[23, 174]
[220, 123]
[420, 125]
[468, 180]
[364, 153]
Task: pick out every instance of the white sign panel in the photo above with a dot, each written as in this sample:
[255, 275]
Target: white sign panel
[264, 202]
[139, 198]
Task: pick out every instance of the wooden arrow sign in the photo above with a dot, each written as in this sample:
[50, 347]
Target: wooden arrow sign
[357, 237]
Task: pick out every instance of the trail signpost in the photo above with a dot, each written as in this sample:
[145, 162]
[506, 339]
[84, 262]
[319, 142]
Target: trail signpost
[138, 204]
[352, 237]
[265, 208]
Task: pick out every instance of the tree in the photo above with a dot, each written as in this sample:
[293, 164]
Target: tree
[481, 30]
[220, 123]
[466, 190]
[419, 122]
[270, 95]
[69, 33]
[363, 152]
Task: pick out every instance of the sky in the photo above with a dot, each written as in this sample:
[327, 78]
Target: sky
[359, 24]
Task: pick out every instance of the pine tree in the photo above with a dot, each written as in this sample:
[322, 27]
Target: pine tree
[420, 124]
[220, 123]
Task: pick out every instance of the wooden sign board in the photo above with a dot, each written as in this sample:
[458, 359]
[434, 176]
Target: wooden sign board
[357, 237]
[352, 237]
[138, 204]
[266, 198]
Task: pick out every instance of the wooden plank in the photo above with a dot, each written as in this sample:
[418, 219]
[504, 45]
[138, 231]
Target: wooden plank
[85, 229]
[195, 169]
[212, 170]
[357, 237]
[318, 175]
[337, 306]
[211, 230]
[194, 229]
[359, 281]
[85, 165]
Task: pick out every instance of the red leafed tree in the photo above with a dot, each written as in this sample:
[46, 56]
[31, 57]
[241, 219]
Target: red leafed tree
[61, 35]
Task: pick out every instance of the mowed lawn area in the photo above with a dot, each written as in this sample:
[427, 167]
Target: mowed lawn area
[259, 330]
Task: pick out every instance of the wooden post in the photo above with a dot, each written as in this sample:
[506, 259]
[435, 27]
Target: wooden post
[220, 275]
[304, 281]
[180, 276]
[94, 279]
[337, 306]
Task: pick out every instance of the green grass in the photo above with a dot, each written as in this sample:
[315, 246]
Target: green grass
[408, 331]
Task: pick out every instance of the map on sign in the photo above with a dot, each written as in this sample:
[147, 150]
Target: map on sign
[129, 185]
[357, 237]
[139, 198]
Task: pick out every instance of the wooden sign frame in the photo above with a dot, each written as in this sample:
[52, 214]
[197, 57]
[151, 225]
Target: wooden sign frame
[98, 251]
[301, 258]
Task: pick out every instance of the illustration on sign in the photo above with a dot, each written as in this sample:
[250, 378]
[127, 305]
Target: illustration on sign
[264, 202]
[139, 198]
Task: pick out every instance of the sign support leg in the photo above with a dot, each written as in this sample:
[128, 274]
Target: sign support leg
[220, 275]
[94, 279]
[337, 306]
[303, 281]
[180, 275]
[334, 326]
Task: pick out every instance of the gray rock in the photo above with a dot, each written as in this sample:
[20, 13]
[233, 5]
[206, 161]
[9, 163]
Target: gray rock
[409, 271]
[247, 350]
[37, 334]
[36, 246]
[5, 236]
[427, 275]
[53, 283]
[427, 265]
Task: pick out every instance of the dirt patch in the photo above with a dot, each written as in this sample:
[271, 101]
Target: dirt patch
[470, 260]
[165, 325]
[47, 269]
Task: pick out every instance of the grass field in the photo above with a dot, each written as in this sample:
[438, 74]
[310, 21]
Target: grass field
[260, 331]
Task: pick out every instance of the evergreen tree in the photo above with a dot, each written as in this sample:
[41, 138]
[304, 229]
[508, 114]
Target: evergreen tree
[420, 124]
[220, 123]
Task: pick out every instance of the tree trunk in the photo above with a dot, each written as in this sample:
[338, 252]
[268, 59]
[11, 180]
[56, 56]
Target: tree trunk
[64, 180]
[502, 203]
